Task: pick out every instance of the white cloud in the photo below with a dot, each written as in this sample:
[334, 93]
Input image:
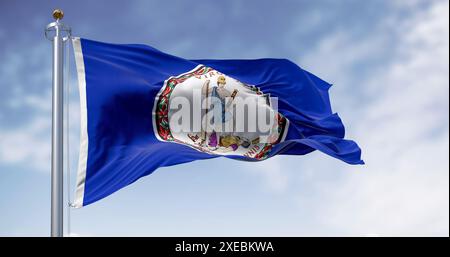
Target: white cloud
[270, 171]
[403, 131]
[401, 123]
[25, 134]
[40, 103]
[29, 144]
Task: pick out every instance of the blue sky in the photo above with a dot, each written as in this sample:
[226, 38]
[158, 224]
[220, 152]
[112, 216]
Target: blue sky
[388, 61]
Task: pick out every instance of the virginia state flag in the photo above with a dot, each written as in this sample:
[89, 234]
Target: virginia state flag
[142, 109]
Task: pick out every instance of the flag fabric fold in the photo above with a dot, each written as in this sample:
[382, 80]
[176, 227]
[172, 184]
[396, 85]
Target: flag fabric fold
[127, 92]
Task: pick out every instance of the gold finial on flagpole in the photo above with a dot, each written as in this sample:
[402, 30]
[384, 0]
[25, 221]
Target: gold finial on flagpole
[58, 14]
[57, 27]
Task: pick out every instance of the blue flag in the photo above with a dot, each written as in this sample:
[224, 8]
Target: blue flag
[142, 109]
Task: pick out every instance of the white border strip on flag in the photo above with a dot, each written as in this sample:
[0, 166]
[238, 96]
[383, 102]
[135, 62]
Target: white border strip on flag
[82, 162]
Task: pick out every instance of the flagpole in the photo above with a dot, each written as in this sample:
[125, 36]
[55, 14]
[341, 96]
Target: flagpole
[58, 33]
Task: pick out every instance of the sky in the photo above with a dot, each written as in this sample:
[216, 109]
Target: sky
[388, 62]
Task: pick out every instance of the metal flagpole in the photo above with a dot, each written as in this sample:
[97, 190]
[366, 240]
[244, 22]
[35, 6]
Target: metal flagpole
[58, 33]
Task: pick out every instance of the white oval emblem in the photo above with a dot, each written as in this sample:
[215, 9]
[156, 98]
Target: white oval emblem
[217, 114]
